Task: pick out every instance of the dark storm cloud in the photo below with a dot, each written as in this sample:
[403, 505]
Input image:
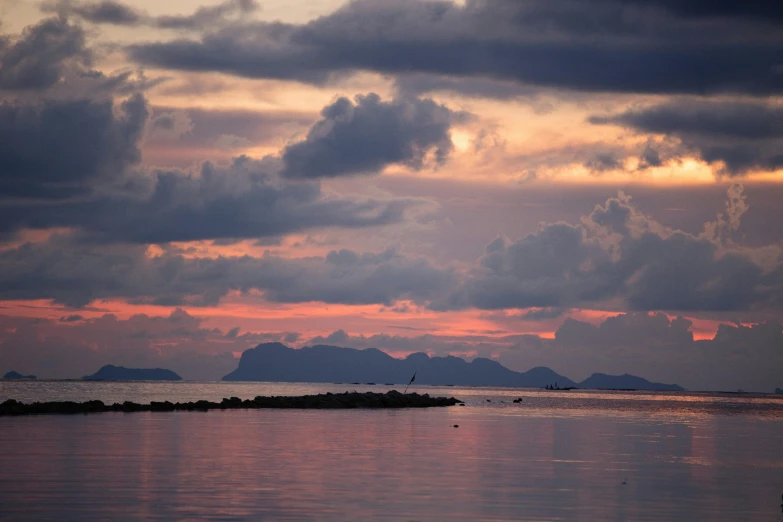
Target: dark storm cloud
[204, 16]
[417, 84]
[52, 59]
[42, 53]
[365, 136]
[118, 13]
[76, 274]
[243, 200]
[540, 270]
[105, 12]
[744, 136]
[85, 153]
[762, 9]
[714, 119]
[586, 46]
[618, 253]
[58, 149]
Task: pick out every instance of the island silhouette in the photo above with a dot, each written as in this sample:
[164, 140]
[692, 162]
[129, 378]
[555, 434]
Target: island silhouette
[16, 376]
[276, 362]
[120, 373]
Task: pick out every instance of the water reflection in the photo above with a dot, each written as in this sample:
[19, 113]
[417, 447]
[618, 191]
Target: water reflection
[389, 465]
[672, 406]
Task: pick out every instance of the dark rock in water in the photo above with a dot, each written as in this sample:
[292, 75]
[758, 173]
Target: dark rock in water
[778, 390]
[119, 373]
[601, 381]
[392, 399]
[16, 376]
[456, 425]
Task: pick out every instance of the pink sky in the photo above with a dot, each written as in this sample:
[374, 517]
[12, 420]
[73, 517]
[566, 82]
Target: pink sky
[320, 172]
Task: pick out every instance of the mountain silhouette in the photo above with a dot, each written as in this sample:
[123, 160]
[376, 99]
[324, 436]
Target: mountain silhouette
[322, 363]
[120, 373]
[276, 362]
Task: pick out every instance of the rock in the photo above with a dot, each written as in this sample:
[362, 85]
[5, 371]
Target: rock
[456, 425]
[392, 399]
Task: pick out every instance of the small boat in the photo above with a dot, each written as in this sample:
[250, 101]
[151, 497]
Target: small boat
[555, 387]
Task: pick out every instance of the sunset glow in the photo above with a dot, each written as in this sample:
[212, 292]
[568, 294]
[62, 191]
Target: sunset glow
[348, 173]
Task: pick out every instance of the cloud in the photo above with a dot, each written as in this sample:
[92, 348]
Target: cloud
[76, 274]
[767, 10]
[204, 17]
[741, 136]
[365, 136]
[242, 200]
[194, 129]
[540, 270]
[616, 257]
[617, 254]
[478, 87]
[603, 162]
[41, 55]
[736, 357]
[77, 163]
[598, 157]
[654, 346]
[170, 125]
[51, 58]
[103, 12]
[580, 46]
[117, 13]
[61, 148]
[71, 349]
[542, 314]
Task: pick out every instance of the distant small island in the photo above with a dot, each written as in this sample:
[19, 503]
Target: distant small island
[329, 401]
[120, 373]
[276, 362]
[779, 391]
[601, 381]
[16, 376]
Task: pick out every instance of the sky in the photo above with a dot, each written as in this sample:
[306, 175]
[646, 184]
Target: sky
[588, 185]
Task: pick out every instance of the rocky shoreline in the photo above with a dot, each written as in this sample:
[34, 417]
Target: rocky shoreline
[347, 400]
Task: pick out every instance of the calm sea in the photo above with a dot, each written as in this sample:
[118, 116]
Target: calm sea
[554, 456]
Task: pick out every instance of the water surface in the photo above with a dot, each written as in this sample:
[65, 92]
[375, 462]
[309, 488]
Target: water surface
[554, 456]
